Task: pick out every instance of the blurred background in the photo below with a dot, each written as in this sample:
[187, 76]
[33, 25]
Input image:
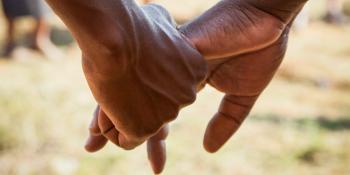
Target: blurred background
[300, 125]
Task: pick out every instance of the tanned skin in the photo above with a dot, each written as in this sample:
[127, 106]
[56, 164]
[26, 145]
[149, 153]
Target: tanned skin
[243, 42]
[139, 67]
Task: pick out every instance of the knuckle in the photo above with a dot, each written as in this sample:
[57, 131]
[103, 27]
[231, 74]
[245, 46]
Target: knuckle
[137, 134]
[128, 147]
[130, 143]
[191, 98]
[142, 134]
[94, 130]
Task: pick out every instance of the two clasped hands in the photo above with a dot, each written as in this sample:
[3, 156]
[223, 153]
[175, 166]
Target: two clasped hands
[142, 68]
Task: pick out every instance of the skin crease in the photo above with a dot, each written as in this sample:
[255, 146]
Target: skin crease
[139, 67]
[243, 72]
[243, 41]
[155, 145]
[142, 74]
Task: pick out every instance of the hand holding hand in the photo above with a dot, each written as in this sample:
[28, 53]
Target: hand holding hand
[146, 87]
[244, 43]
[130, 53]
[153, 74]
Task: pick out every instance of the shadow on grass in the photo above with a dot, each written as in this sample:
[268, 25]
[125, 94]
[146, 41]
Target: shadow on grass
[338, 124]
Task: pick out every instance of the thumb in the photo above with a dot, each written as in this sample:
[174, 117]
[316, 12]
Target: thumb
[281, 9]
[232, 112]
[157, 151]
[96, 140]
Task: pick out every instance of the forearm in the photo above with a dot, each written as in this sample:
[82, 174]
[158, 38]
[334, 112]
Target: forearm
[97, 25]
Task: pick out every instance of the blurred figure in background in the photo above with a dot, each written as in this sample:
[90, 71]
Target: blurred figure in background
[334, 13]
[40, 36]
[302, 20]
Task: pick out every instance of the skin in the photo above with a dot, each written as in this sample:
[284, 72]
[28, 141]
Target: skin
[155, 145]
[139, 67]
[241, 67]
[243, 42]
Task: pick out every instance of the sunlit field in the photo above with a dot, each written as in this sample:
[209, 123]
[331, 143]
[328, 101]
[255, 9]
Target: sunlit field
[300, 125]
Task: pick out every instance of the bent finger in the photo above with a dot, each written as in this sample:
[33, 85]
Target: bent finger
[96, 140]
[156, 149]
[95, 143]
[112, 134]
[107, 128]
[232, 112]
[128, 143]
[94, 128]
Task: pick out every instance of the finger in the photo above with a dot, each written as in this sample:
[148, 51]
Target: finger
[284, 10]
[94, 128]
[107, 128]
[96, 140]
[156, 150]
[112, 134]
[95, 143]
[232, 112]
[249, 76]
[128, 143]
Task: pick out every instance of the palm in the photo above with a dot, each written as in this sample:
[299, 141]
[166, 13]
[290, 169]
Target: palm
[258, 42]
[254, 56]
[242, 78]
[243, 55]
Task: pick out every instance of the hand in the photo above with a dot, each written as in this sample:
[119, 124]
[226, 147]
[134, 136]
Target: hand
[141, 70]
[153, 75]
[155, 145]
[245, 59]
[102, 126]
[264, 35]
[244, 42]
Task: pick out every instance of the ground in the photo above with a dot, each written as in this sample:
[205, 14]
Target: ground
[300, 125]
